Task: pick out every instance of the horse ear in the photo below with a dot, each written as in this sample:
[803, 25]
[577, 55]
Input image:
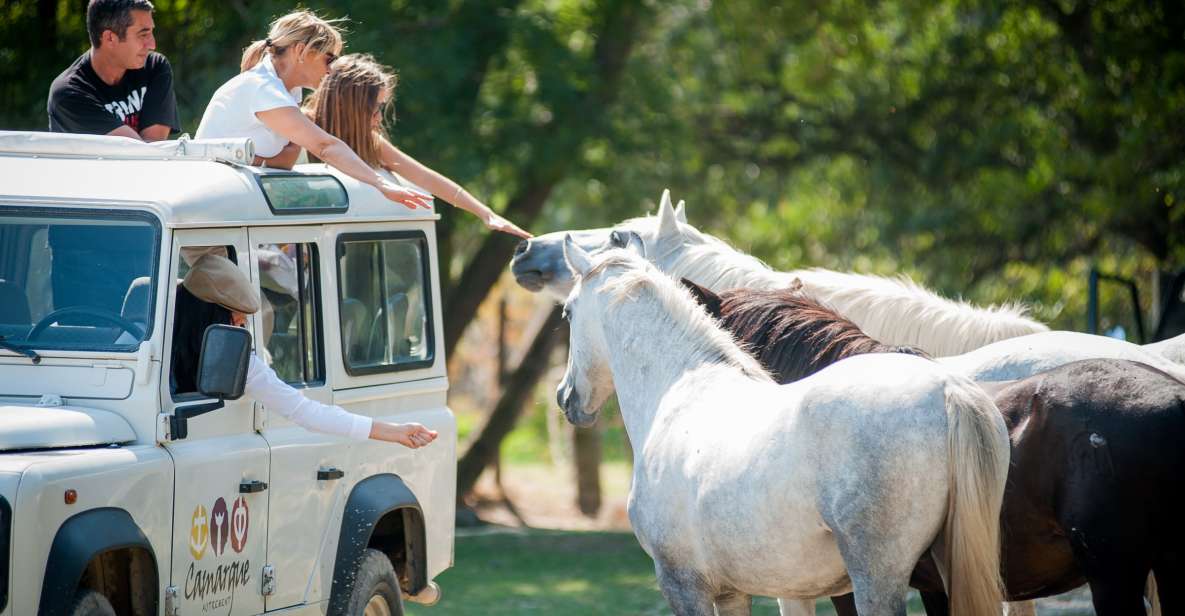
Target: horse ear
[795, 285]
[578, 260]
[668, 225]
[681, 211]
[709, 300]
[634, 244]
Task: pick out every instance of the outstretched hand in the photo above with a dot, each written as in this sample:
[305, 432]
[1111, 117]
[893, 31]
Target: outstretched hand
[409, 198]
[495, 222]
[410, 435]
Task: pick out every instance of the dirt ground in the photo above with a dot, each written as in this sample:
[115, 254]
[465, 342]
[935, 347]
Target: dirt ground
[544, 496]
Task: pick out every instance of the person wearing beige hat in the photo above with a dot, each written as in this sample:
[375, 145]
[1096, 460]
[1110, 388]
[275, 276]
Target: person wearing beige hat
[215, 291]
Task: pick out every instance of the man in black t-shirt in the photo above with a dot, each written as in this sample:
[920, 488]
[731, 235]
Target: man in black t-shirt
[120, 86]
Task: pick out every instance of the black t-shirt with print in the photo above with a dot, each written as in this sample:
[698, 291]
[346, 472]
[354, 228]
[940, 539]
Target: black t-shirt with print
[80, 102]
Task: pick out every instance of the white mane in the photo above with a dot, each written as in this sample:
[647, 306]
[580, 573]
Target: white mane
[895, 311]
[686, 320]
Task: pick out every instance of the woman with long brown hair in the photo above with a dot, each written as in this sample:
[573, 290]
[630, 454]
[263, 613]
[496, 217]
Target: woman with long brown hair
[263, 103]
[351, 105]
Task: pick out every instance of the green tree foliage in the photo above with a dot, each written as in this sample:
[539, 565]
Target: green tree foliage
[992, 149]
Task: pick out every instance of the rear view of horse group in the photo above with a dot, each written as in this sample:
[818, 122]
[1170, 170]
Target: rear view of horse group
[813, 433]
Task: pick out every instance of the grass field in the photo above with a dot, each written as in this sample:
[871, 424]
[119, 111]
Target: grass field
[509, 572]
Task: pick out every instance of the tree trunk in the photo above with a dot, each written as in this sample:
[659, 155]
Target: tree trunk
[515, 396]
[584, 118]
[586, 443]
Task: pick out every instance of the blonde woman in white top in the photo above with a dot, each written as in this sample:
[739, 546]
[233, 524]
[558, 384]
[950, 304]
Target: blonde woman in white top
[263, 103]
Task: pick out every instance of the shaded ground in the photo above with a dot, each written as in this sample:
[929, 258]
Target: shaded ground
[576, 566]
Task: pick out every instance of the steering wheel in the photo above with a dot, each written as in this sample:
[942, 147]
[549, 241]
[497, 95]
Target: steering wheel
[85, 311]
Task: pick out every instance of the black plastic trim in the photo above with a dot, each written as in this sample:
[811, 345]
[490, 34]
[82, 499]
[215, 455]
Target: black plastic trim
[426, 265]
[330, 474]
[304, 210]
[370, 500]
[5, 550]
[80, 539]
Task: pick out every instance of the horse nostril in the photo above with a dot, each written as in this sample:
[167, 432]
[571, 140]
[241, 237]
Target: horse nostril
[522, 247]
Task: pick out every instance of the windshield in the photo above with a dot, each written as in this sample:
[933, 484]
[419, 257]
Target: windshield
[76, 280]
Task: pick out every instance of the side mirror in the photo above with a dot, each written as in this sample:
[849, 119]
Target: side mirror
[222, 374]
[222, 368]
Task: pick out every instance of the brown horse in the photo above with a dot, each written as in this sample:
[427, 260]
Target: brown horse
[1093, 494]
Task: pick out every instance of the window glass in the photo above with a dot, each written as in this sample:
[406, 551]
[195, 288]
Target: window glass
[385, 321]
[76, 280]
[295, 194]
[289, 314]
[191, 317]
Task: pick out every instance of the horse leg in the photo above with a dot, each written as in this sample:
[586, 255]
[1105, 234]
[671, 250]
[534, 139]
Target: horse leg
[1169, 588]
[845, 605]
[734, 604]
[879, 581]
[936, 603]
[685, 590]
[1118, 591]
[796, 607]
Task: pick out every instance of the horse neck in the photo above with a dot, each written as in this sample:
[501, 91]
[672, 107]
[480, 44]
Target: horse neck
[719, 267]
[649, 352]
[791, 339]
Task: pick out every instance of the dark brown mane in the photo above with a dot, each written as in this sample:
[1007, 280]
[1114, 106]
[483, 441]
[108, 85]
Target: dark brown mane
[792, 335]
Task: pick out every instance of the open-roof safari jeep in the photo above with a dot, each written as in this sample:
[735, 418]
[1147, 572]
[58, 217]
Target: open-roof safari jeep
[119, 494]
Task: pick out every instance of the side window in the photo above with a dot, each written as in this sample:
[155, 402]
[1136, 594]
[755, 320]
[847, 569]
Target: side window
[191, 317]
[386, 323]
[290, 312]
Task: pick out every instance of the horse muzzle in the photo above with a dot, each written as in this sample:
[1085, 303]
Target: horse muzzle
[569, 401]
[539, 268]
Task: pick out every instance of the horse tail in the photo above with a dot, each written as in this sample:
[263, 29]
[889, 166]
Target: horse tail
[978, 451]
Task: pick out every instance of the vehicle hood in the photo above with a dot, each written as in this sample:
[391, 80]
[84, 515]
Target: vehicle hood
[38, 427]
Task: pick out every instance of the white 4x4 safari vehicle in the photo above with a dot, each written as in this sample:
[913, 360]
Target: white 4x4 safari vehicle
[119, 493]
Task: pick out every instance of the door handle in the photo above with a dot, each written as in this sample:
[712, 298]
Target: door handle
[252, 486]
[329, 473]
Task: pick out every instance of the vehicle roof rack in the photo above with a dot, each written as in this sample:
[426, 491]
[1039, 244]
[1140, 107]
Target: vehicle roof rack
[33, 143]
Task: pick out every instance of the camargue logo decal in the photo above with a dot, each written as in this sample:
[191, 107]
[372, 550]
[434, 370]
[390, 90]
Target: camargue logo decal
[214, 585]
[199, 532]
[239, 519]
[219, 526]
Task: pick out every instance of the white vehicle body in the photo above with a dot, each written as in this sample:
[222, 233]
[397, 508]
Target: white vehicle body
[247, 513]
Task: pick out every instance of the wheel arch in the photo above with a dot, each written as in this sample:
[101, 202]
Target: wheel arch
[383, 513]
[82, 539]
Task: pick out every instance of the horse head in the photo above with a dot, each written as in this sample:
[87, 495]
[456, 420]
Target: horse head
[587, 381]
[539, 264]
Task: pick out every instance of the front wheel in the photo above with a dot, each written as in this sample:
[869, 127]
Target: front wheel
[91, 603]
[376, 588]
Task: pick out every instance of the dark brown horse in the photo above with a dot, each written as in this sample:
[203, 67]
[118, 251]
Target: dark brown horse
[1098, 457]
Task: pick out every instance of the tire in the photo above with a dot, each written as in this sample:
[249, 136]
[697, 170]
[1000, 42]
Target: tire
[91, 603]
[376, 589]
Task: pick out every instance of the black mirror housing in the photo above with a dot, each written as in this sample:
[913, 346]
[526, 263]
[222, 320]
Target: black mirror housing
[222, 368]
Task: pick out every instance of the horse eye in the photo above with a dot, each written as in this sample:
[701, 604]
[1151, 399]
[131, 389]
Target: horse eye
[617, 239]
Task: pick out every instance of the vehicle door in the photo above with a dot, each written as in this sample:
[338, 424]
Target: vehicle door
[220, 508]
[307, 467]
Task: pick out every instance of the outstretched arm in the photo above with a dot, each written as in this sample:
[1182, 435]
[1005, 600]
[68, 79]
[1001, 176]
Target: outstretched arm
[396, 160]
[265, 386]
[294, 126]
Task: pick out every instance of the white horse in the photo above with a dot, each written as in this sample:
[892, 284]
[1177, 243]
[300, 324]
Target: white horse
[895, 311]
[732, 493]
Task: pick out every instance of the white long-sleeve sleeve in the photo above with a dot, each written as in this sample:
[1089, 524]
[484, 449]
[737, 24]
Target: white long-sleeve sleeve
[264, 386]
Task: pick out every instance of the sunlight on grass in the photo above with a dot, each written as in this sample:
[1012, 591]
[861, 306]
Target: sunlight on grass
[511, 572]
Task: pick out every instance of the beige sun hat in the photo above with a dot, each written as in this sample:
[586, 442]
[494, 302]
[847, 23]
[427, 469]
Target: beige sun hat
[216, 279]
